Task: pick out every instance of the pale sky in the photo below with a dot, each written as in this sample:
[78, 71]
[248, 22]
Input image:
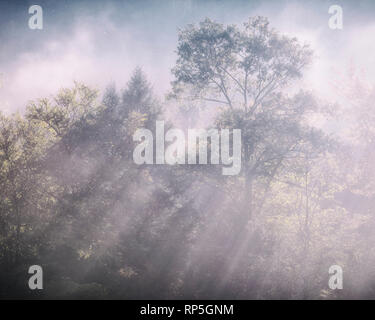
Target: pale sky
[99, 43]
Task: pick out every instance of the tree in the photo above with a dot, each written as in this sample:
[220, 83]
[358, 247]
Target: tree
[241, 68]
[243, 73]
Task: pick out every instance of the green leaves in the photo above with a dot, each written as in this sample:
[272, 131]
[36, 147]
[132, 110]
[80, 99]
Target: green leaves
[239, 67]
[69, 106]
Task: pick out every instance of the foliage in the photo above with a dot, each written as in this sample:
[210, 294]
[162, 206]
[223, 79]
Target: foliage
[73, 201]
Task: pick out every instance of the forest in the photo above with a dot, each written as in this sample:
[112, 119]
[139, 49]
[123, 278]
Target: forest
[101, 226]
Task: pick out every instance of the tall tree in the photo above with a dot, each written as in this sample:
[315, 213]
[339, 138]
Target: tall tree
[244, 73]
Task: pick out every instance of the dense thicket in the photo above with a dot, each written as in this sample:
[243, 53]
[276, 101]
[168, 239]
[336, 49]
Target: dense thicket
[73, 201]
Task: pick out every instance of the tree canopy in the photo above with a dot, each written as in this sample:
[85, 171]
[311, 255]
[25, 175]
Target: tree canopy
[73, 201]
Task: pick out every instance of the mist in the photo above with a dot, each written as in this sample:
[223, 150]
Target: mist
[101, 225]
[101, 43]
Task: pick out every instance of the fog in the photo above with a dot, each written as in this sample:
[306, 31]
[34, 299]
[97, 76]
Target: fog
[74, 201]
[99, 43]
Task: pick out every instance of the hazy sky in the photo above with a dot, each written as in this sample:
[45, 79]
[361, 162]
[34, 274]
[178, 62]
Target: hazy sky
[98, 42]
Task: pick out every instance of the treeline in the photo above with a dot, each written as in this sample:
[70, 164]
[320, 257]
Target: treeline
[73, 201]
